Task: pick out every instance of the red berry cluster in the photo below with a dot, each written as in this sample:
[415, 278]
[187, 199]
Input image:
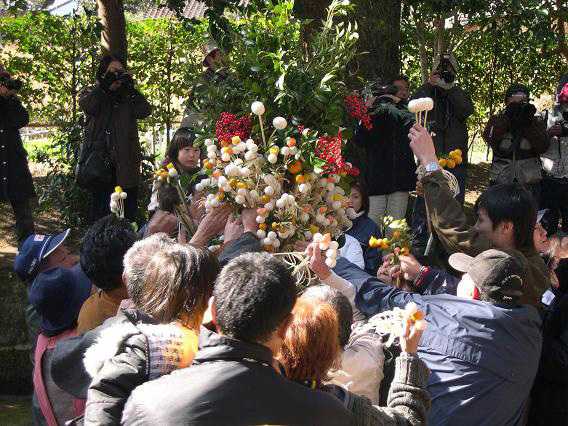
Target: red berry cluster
[357, 109]
[328, 148]
[228, 125]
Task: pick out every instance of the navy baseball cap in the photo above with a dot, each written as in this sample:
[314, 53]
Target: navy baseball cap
[33, 251]
[58, 295]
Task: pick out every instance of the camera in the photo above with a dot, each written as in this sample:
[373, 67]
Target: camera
[520, 113]
[10, 83]
[120, 75]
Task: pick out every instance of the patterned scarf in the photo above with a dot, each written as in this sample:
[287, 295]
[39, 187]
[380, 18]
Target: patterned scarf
[170, 347]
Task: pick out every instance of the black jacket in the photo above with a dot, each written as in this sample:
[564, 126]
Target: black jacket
[447, 120]
[384, 156]
[231, 383]
[549, 405]
[15, 179]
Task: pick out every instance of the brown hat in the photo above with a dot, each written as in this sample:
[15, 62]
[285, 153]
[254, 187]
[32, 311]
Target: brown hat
[498, 276]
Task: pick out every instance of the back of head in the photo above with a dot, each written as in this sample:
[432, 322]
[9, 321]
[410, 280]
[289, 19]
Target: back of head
[511, 203]
[311, 346]
[168, 198]
[254, 295]
[178, 284]
[103, 249]
[137, 258]
[339, 302]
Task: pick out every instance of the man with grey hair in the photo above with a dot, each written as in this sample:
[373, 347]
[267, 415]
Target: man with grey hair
[135, 261]
[67, 366]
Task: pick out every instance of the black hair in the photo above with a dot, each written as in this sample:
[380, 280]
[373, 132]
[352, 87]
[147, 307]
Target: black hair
[400, 77]
[103, 248]
[340, 304]
[365, 206]
[104, 63]
[182, 137]
[254, 295]
[168, 198]
[516, 88]
[511, 203]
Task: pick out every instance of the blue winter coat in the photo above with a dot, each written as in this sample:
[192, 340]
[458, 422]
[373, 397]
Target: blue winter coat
[483, 358]
[363, 229]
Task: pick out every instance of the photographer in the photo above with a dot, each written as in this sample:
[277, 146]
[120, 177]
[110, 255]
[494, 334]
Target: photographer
[452, 107]
[555, 160]
[517, 137]
[112, 108]
[16, 185]
[447, 122]
[385, 159]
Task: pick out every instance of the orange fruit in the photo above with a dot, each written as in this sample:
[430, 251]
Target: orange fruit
[442, 162]
[451, 164]
[291, 142]
[296, 167]
[396, 235]
[265, 199]
[300, 179]
[263, 226]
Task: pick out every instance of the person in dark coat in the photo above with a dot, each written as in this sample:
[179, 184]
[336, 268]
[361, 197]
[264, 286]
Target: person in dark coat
[447, 122]
[112, 108]
[385, 159]
[452, 107]
[364, 227]
[517, 137]
[16, 185]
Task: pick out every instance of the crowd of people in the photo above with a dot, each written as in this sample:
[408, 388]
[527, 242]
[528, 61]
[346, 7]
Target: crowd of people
[152, 327]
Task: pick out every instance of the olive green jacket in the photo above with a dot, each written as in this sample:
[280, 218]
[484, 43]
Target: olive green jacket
[457, 235]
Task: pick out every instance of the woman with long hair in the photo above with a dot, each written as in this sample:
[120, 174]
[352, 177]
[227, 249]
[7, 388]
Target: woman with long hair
[112, 108]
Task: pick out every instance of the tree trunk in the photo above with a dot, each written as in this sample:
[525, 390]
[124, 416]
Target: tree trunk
[113, 34]
[314, 10]
[379, 35]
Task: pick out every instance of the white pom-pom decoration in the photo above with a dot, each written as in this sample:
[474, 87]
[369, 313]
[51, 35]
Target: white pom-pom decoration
[330, 262]
[257, 108]
[272, 159]
[279, 123]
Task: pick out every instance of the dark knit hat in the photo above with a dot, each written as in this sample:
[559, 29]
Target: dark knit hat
[516, 88]
[498, 276]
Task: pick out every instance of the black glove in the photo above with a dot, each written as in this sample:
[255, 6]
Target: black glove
[127, 81]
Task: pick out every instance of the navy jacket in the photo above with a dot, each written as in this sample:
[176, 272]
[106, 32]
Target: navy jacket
[483, 358]
[362, 230]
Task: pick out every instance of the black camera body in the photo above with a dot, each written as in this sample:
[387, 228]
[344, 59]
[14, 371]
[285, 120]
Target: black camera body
[520, 113]
[122, 76]
[10, 83]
